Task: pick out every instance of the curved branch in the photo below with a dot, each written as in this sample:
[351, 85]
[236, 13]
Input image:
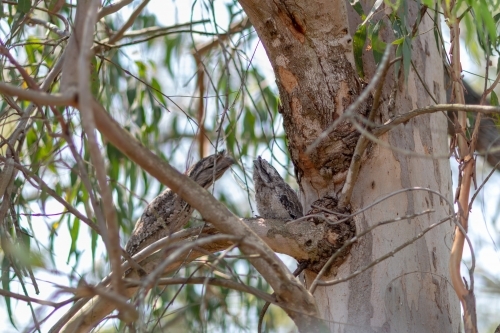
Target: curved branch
[403, 118]
[39, 97]
[113, 8]
[211, 281]
[287, 288]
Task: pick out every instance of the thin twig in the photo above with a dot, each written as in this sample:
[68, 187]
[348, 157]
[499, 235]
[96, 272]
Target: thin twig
[203, 302]
[149, 281]
[300, 268]
[402, 151]
[355, 238]
[211, 281]
[49, 26]
[483, 183]
[137, 11]
[128, 311]
[39, 97]
[491, 88]
[353, 172]
[110, 235]
[113, 8]
[350, 110]
[402, 118]
[382, 258]
[466, 171]
[7, 293]
[52, 193]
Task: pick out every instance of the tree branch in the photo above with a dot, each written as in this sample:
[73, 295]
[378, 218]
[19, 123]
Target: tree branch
[24, 298]
[39, 97]
[466, 170]
[352, 173]
[288, 290]
[119, 34]
[113, 8]
[403, 118]
[86, 18]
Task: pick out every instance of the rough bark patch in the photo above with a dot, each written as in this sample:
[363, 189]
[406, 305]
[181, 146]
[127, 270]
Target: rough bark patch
[335, 236]
[288, 80]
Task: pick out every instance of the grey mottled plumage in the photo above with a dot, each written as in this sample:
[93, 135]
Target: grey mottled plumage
[168, 213]
[275, 199]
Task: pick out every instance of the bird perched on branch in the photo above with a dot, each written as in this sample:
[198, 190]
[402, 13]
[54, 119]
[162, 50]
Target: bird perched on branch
[275, 199]
[168, 212]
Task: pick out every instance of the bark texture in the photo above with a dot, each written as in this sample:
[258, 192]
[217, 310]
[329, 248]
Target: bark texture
[310, 48]
[309, 45]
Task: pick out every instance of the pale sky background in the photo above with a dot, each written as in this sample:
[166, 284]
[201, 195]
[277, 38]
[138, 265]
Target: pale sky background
[482, 230]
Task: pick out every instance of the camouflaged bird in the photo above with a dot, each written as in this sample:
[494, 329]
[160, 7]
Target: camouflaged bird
[168, 213]
[275, 199]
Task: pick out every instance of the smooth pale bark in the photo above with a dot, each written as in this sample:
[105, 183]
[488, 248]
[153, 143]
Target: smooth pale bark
[310, 50]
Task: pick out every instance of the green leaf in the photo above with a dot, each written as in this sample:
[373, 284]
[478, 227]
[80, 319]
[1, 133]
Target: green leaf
[74, 229]
[6, 286]
[437, 37]
[141, 68]
[377, 45]
[131, 94]
[95, 83]
[93, 246]
[115, 157]
[356, 5]
[493, 99]
[157, 91]
[398, 41]
[24, 6]
[406, 58]
[358, 46]
[397, 64]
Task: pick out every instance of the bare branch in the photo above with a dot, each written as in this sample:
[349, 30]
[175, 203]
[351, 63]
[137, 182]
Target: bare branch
[25, 298]
[294, 295]
[87, 16]
[128, 313]
[150, 32]
[113, 8]
[39, 97]
[466, 170]
[52, 193]
[482, 185]
[50, 26]
[119, 34]
[211, 281]
[488, 91]
[352, 173]
[174, 256]
[403, 118]
[405, 152]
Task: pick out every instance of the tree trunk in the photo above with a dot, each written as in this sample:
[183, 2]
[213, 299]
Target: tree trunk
[309, 44]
